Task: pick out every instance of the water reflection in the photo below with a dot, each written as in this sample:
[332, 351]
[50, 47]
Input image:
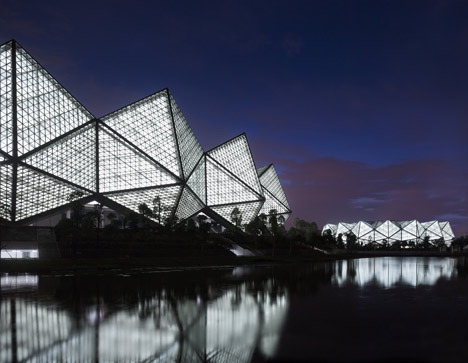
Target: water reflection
[393, 271]
[239, 315]
[228, 324]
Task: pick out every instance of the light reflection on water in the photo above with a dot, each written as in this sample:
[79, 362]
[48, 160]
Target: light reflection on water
[227, 324]
[231, 315]
[393, 271]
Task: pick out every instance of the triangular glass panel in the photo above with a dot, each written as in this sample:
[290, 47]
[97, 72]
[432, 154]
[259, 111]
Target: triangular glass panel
[403, 224]
[45, 109]
[383, 229]
[122, 167]
[189, 147]
[72, 158]
[167, 197]
[248, 211]
[189, 204]
[270, 181]
[197, 181]
[261, 170]
[432, 229]
[235, 156]
[379, 237]
[148, 125]
[272, 203]
[396, 236]
[6, 99]
[376, 225]
[393, 229]
[409, 231]
[224, 188]
[329, 227]
[344, 228]
[355, 229]
[447, 232]
[6, 181]
[38, 193]
[364, 230]
[420, 229]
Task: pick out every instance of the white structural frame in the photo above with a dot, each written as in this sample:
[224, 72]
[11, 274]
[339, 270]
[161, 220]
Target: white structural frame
[392, 231]
[53, 150]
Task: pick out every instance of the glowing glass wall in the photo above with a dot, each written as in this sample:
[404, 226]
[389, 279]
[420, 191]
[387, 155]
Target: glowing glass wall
[393, 231]
[51, 147]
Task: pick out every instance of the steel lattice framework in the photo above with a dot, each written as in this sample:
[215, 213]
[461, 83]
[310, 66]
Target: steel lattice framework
[393, 231]
[146, 152]
[275, 199]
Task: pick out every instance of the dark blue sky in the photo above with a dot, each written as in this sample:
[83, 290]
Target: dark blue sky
[361, 105]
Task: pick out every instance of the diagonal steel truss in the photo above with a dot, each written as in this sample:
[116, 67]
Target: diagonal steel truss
[51, 146]
[393, 231]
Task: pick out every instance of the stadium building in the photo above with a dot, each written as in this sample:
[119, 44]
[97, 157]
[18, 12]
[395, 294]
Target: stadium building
[52, 148]
[392, 231]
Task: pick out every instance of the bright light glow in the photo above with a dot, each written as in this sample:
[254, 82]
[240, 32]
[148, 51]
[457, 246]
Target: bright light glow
[275, 199]
[19, 254]
[393, 231]
[13, 282]
[391, 271]
[141, 153]
[229, 326]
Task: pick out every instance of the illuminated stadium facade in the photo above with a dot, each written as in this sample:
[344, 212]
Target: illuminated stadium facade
[52, 147]
[393, 231]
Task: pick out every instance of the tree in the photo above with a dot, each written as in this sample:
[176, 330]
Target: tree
[460, 242]
[426, 244]
[170, 222]
[273, 222]
[203, 225]
[326, 240]
[146, 212]
[191, 226]
[440, 243]
[351, 241]
[254, 227]
[113, 221]
[281, 219]
[157, 208]
[339, 241]
[98, 212]
[76, 206]
[236, 217]
[263, 223]
[131, 220]
[308, 230]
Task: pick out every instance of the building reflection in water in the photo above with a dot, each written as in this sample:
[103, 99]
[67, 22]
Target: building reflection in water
[393, 271]
[232, 326]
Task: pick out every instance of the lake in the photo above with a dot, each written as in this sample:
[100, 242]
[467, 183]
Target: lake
[369, 309]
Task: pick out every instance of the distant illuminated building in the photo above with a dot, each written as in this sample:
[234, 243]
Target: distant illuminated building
[393, 231]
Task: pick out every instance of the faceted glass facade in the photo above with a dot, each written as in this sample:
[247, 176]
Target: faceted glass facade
[275, 199]
[393, 231]
[51, 146]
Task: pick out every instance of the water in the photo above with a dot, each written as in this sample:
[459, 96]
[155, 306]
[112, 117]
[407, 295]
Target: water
[385, 308]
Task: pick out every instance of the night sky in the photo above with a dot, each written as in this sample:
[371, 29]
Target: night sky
[361, 105]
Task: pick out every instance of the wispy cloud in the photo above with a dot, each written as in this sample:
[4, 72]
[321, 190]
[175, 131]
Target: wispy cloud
[328, 190]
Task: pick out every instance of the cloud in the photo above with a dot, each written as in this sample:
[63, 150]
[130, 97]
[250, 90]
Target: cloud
[365, 202]
[329, 190]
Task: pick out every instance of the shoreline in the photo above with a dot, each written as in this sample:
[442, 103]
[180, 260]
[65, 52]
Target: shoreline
[113, 266]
